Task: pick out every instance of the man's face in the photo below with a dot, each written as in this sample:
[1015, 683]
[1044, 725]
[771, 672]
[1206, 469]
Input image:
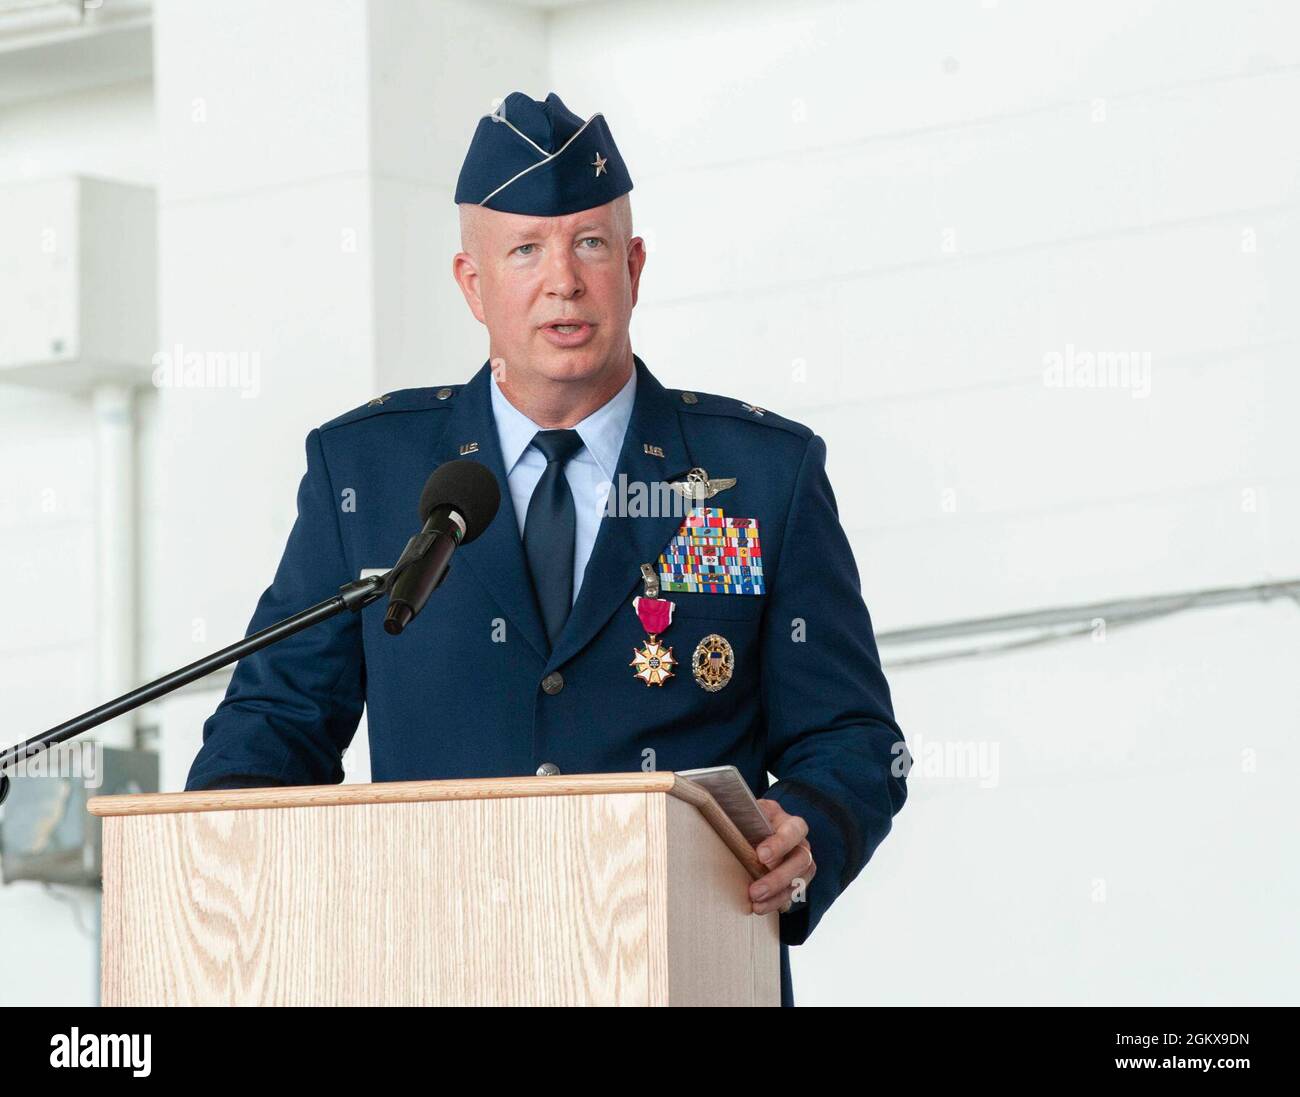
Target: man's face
[522, 276]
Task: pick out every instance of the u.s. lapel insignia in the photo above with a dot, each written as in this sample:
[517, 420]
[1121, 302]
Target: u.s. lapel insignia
[713, 662]
[697, 486]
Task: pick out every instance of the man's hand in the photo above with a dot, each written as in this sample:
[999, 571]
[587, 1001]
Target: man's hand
[787, 857]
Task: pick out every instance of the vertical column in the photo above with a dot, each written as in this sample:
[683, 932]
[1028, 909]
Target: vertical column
[265, 310]
[436, 68]
[308, 159]
[115, 554]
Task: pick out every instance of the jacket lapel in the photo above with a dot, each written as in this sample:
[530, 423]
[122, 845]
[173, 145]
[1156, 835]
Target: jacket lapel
[497, 557]
[625, 542]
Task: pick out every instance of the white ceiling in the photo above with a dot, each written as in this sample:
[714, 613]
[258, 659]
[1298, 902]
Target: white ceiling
[49, 47]
[54, 47]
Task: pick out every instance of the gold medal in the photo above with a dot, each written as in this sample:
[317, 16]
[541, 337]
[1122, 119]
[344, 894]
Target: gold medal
[652, 662]
[713, 662]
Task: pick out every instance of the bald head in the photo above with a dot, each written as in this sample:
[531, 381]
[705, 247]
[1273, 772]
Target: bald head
[473, 219]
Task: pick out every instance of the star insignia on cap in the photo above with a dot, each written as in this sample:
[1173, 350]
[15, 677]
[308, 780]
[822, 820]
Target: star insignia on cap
[599, 164]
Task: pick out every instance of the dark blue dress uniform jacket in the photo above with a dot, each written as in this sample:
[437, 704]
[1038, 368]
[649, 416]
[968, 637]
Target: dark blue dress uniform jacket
[807, 701]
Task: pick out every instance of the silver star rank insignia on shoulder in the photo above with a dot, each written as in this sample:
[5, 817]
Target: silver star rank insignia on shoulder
[697, 486]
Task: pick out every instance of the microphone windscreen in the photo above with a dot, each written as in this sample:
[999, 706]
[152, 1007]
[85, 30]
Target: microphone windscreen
[470, 488]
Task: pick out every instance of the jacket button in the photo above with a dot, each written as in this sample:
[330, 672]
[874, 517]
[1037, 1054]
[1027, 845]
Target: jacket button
[548, 769]
[442, 394]
[553, 682]
[690, 398]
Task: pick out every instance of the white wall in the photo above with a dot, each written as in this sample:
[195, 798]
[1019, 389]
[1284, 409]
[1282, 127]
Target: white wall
[879, 220]
[1133, 842]
[47, 531]
[105, 131]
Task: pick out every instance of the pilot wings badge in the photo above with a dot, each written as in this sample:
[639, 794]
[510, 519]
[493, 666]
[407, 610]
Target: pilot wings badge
[697, 486]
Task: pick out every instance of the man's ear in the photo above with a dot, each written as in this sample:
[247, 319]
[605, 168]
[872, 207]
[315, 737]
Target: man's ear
[636, 257]
[466, 275]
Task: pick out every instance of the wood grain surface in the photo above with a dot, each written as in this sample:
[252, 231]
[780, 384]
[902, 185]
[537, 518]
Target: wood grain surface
[404, 792]
[529, 899]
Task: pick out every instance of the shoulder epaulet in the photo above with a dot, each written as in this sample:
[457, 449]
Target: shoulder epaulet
[707, 403]
[421, 399]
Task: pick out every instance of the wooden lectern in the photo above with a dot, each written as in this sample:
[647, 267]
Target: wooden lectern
[601, 889]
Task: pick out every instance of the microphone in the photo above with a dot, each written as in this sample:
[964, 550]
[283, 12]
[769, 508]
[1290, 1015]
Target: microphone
[458, 502]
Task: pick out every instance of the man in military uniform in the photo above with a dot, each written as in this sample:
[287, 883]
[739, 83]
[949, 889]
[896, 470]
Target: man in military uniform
[741, 611]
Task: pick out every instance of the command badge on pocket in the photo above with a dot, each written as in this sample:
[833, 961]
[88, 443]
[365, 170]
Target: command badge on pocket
[713, 662]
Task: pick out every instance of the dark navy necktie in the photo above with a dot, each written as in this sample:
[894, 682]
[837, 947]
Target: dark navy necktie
[550, 529]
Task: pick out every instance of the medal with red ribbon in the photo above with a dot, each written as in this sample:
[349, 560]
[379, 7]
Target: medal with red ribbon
[652, 662]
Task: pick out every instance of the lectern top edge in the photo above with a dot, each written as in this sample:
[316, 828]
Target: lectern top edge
[382, 792]
[400, 792]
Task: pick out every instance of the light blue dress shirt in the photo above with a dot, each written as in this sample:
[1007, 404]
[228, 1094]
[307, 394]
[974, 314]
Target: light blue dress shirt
[590, 471]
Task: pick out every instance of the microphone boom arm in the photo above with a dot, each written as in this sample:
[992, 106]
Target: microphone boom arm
[354, 596]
